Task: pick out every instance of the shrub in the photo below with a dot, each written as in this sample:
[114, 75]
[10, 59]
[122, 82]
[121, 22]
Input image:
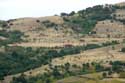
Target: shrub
[3, 24]
[64, 14]
[37, 21]
[123, 50]
[72, 13]
[47, 23]
[104, 74]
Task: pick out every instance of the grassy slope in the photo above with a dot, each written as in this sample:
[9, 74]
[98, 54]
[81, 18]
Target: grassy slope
[90, 78]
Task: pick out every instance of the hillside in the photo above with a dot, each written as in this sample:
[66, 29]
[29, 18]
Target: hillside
[120, 4]
[56, 49]
[98, 21]
[43, 30]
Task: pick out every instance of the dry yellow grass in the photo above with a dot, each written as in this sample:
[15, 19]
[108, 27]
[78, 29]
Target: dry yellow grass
[96, 55]
[90, 78]
[61, 42]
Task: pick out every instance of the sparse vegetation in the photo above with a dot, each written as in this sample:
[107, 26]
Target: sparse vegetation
[15, 59]
[57, 72]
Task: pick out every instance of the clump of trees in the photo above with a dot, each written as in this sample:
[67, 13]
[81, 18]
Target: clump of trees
[117, 67]
[11, 37]
[88, 18]
[64, 14]
[110, 43]
[62, 71]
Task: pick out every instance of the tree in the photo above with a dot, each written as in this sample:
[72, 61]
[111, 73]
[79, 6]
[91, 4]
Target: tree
[48, 81]
[37, 21]
[1, 77]
[72, 13]
[20, 79]
[110, 72]
[81, 13]
[14, 54]
[104, 74]
[67, 66]
[123, 50]
[56, 72]
[64, 14]
[98, 67]
[3, 24]
[52, 53]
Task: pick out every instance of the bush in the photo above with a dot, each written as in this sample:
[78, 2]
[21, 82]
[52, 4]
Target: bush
[72, 13]
[3, 24]
[20, 79]
[37, 21]
[64, 14]
[47, 23]
[104, 74]
[123, 50]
